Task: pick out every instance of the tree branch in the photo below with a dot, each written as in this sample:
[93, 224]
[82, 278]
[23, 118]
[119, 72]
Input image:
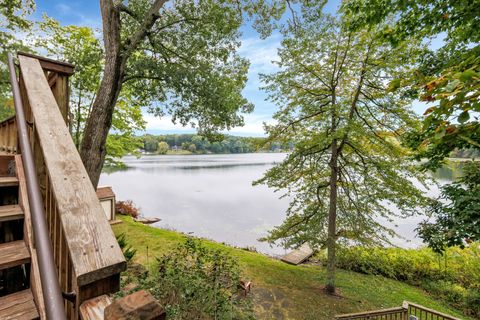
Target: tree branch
[150, 18]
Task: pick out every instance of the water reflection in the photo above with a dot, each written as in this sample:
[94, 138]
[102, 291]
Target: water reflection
[212, 196]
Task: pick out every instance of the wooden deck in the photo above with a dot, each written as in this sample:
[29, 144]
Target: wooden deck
[298, 255]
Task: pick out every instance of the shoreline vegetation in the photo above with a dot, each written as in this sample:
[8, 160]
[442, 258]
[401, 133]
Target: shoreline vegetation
[194, 144]
[284, 291]
[197, 144]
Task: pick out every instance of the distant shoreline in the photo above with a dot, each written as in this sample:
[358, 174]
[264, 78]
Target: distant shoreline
[188, 153]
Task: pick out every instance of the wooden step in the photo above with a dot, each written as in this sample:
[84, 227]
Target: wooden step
[10, 212]
[18, 305]
[8, 181]
[14, 253]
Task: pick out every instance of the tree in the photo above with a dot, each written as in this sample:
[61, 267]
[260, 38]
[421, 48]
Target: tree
[448, 78]
[163, 147]
[12, 23]
[150, 143]
[346, 169]
[181, 56]
[457, 217]
[79, 46]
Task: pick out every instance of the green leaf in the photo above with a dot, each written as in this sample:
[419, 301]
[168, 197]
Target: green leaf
[393, 85]
[467, 75]
[440, 132]
[452, 85]
[463, 117]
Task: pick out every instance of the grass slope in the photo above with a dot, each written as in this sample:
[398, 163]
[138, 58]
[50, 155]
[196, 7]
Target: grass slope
[282, 291]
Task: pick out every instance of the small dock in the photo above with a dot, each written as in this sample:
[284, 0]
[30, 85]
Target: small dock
[298, 255]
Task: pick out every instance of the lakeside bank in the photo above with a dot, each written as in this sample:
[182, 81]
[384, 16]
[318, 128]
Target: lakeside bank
[283, 291]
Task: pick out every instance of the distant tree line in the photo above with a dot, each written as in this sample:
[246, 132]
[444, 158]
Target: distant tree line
[193, 143]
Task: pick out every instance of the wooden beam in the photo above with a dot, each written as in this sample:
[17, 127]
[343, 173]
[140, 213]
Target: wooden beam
[50, 64]
[93, 249]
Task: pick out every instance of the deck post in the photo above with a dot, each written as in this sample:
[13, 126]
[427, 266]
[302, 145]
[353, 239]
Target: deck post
[57, 73]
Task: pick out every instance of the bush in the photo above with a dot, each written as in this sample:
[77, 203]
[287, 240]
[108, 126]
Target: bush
[128, 251]
[127, 208]
[195, 282]
[454, 277]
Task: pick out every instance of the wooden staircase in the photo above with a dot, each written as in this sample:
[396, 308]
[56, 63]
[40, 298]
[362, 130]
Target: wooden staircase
[16, 296]
[50, 217]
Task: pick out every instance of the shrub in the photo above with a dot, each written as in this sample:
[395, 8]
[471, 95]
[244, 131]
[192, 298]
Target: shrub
[195, 282]
[127, 208]
[454, 277]
[128, 251]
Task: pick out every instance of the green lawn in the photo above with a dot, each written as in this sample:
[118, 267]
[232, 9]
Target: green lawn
[282, 291]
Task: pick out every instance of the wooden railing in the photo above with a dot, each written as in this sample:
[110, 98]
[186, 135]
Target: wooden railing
[408, 311]
[397, 313]
[52, 303]
[8, 135]
[423, 313]
[87, 257]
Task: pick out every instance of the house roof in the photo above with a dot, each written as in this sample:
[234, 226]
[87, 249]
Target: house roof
[105, 192]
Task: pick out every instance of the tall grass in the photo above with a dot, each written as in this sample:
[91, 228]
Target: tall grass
[454, 277]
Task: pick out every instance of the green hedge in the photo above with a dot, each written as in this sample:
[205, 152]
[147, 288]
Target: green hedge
[454, 278]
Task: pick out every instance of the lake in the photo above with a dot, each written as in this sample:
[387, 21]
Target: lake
[212, 196]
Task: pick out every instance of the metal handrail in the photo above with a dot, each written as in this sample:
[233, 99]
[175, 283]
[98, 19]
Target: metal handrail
[52, 294]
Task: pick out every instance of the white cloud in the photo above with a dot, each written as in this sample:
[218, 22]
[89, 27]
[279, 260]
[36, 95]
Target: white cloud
[77, 17]
[163, 123]
[261, 54]
[253, 125]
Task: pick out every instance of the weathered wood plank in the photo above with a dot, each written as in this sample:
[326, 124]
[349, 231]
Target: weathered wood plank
[10, 212]
[298, 255]
[14, 253]
[50, 64]
[94, 309]
[18, 305]
[138, 305]
[92, 245]
[8, 181]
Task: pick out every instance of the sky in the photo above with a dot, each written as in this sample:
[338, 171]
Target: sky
[260, 53]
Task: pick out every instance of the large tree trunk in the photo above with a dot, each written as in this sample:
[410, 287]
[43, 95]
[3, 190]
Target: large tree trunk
[93, 148]
[332, 220]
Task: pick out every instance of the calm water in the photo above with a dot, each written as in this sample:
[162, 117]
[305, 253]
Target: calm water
[212, 196]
